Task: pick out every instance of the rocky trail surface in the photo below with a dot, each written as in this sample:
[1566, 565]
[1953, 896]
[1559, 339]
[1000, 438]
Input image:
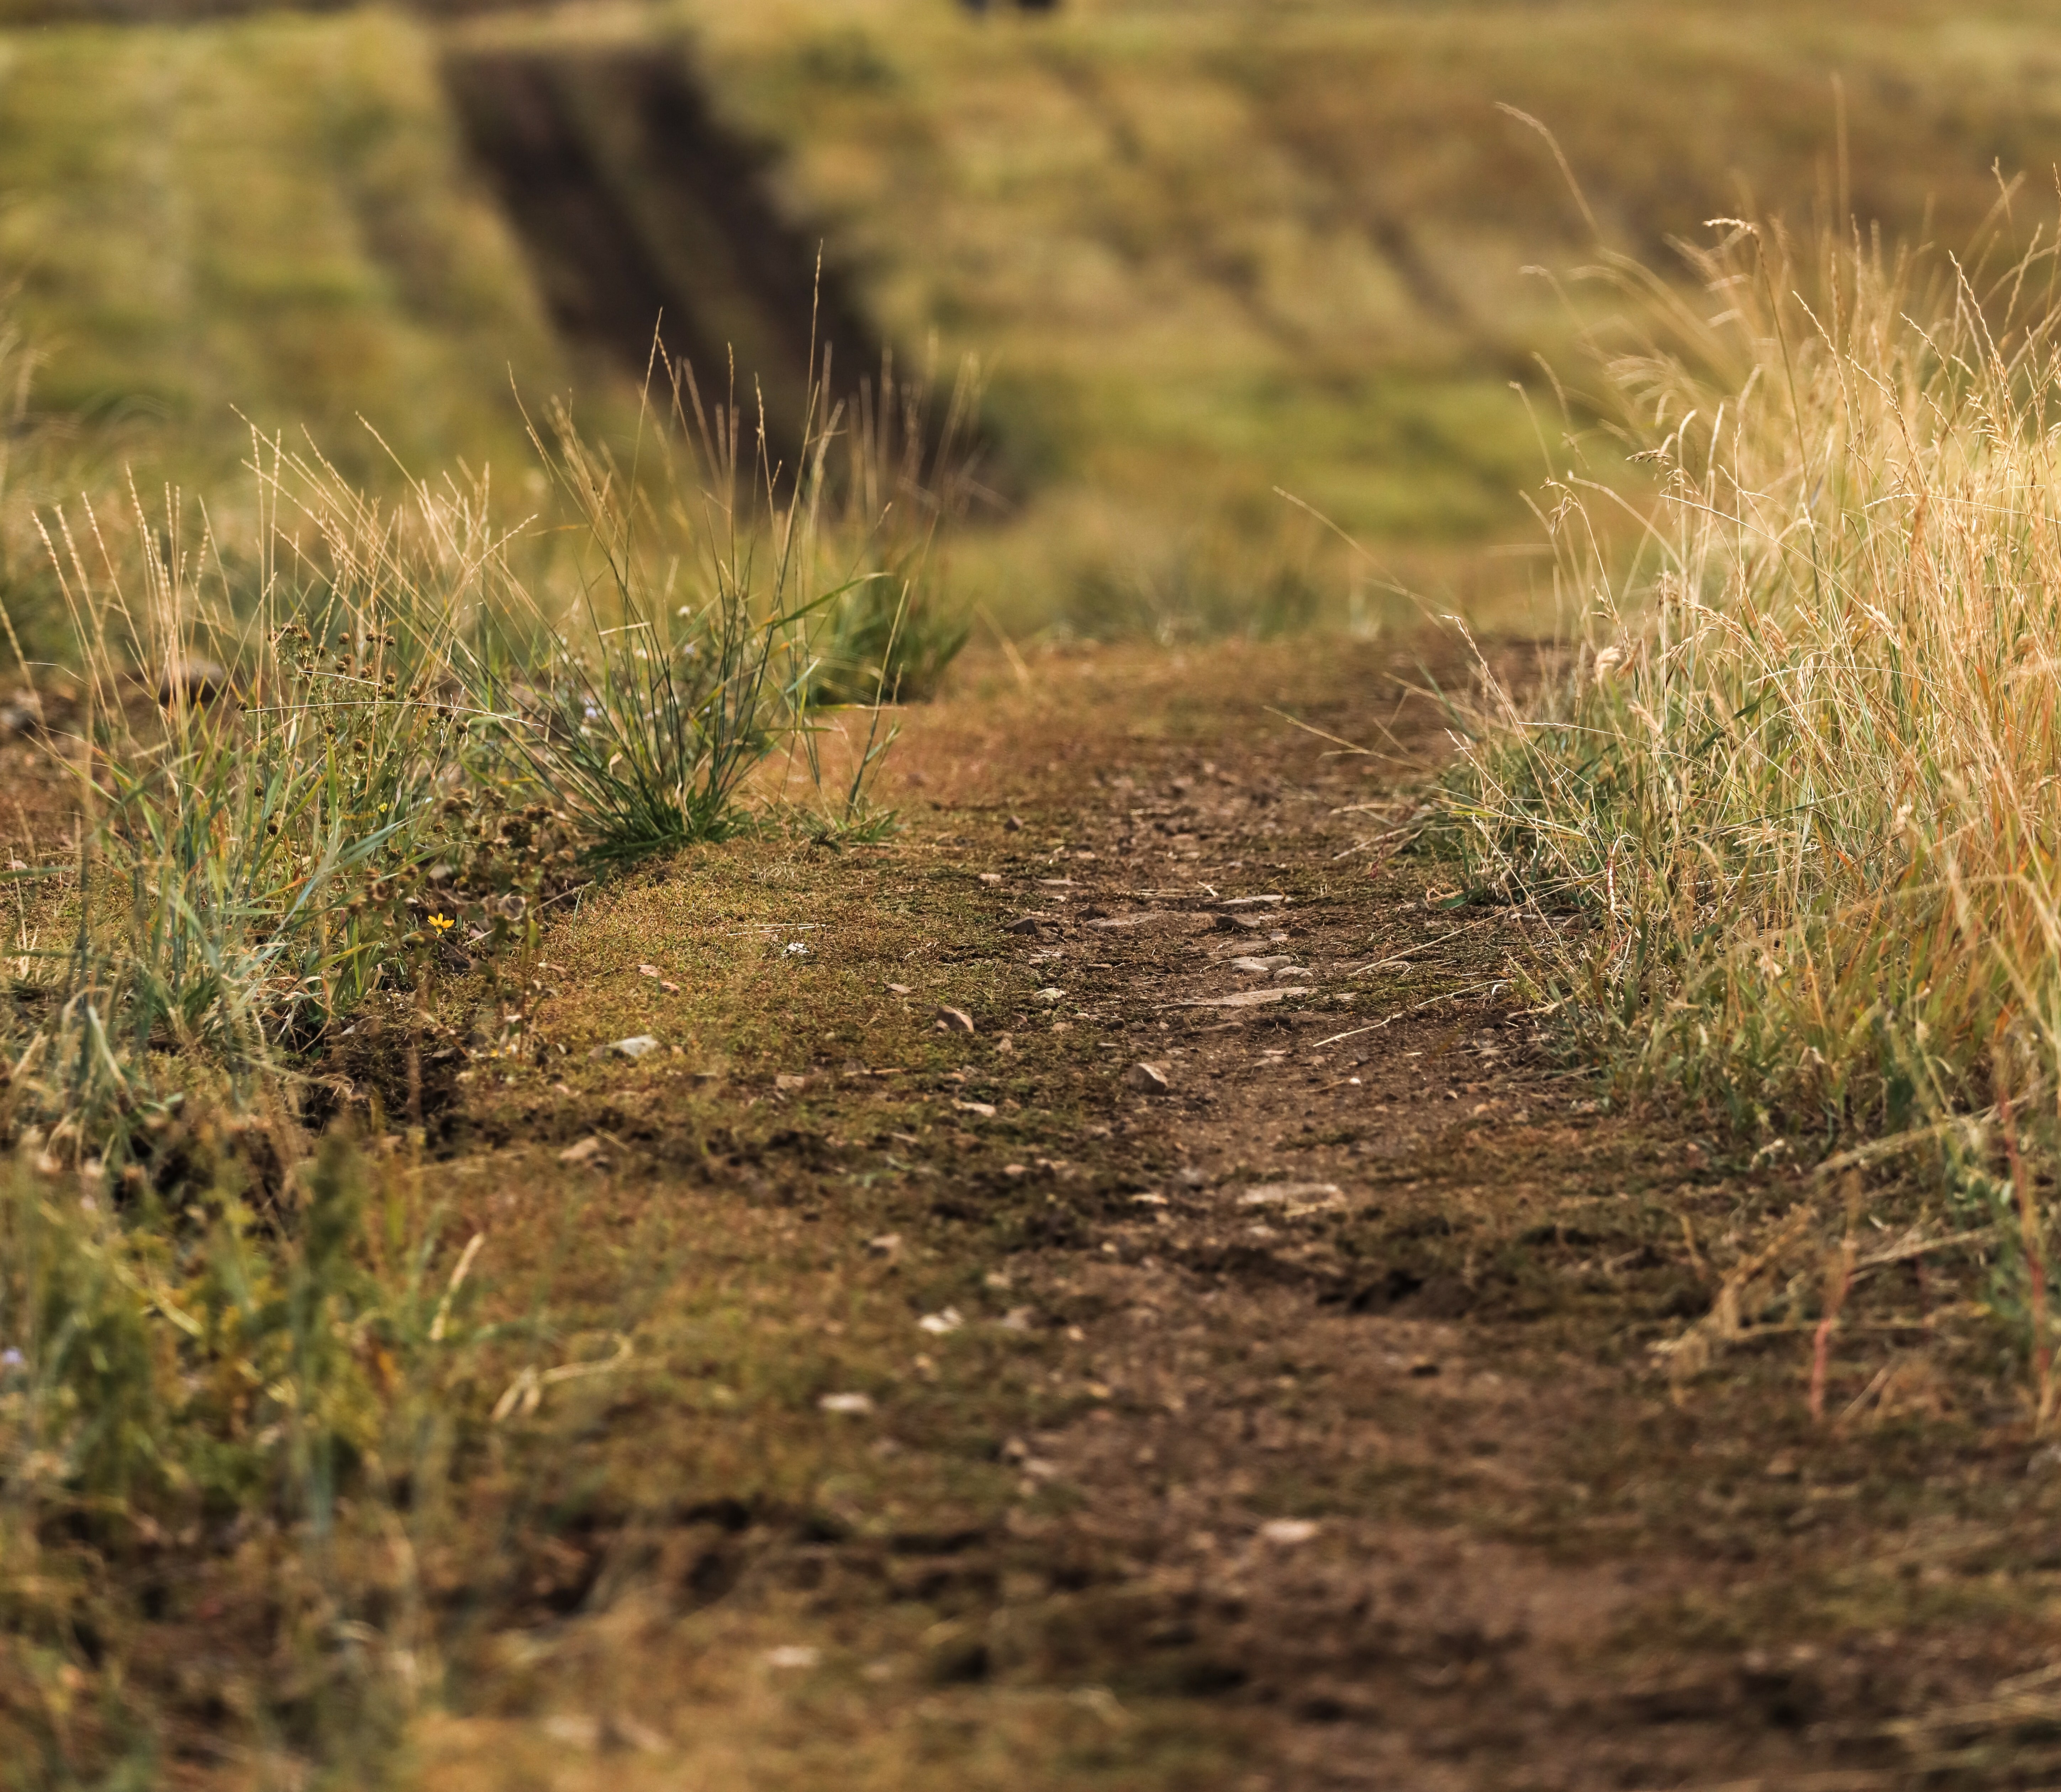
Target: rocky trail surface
[1122, 1295]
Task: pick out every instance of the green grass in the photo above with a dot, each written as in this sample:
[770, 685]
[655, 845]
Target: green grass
[405, 753]
[1211, 250]
[1204, 252]
[271, 216]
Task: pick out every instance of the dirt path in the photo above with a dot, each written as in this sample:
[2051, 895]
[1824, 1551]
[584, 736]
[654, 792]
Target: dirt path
[1294, 1426]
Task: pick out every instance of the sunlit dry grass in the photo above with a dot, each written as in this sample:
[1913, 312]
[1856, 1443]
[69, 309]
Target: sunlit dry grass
[1794, 815]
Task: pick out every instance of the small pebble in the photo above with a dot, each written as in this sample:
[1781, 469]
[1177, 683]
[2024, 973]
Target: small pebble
[1284, 1194]
[857, 1405]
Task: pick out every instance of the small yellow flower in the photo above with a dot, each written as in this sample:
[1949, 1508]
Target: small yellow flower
[442, 923]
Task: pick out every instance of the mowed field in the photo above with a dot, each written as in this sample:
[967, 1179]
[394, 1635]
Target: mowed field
[1204, 252]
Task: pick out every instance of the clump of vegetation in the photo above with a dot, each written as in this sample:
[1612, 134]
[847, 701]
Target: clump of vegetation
[207, 1417]
[907, 477]
[254, 768]
[339, 747]
[1791, 804]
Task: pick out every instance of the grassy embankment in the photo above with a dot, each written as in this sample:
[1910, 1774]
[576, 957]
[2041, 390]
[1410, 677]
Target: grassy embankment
[1204, 252]
[270, 215]
[1211, 250]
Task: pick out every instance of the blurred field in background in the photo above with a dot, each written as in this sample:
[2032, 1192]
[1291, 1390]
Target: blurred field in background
[1203, 249]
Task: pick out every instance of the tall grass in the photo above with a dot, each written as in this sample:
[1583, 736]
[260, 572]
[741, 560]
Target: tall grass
[1792, 803]
[258, 757]
[337, 743]
[727, 600]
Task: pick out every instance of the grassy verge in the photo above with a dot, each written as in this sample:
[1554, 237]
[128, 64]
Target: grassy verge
[1785, 816]
[341, 754]
[290, 822]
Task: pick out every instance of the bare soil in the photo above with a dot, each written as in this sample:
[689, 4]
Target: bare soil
[1295, 1425]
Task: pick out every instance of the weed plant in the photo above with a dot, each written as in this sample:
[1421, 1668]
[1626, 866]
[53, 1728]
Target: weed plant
[1790, 811]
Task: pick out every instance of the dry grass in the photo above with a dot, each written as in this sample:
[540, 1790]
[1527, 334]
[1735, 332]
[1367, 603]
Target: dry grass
[1790, 819]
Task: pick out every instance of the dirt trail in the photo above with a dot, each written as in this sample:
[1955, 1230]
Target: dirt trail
[1292, 1426]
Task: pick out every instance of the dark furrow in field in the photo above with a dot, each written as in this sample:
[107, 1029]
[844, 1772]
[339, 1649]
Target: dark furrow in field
[640, 210]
